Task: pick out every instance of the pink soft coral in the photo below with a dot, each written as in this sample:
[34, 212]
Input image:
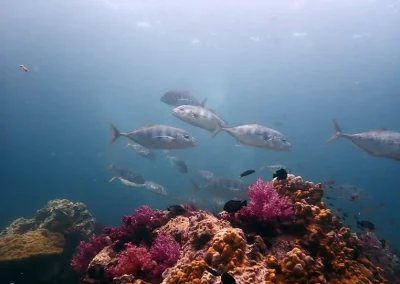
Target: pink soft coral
[137, 227]
[165, 251]
[265, 203]
[86, 251]
[133, 261]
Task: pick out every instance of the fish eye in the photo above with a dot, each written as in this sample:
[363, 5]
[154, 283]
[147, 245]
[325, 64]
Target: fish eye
[186, 136]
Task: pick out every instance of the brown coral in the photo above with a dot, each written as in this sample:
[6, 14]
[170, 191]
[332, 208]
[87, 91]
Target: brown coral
[40, 242]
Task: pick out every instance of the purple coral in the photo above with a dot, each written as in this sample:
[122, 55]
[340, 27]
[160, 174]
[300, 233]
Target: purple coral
[165, 251]
[87, 250]
[138, 226]
[144, 218]
[372, 247]
[265, 203]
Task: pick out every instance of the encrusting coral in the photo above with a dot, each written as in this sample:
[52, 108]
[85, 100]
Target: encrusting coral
[285, 235]
[38, 243]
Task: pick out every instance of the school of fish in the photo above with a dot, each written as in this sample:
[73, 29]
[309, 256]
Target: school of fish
[144, 140]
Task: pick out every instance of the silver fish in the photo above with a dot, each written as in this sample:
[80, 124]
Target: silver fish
[224, 187]
[142, 151]
[200, 117]
[126, 174]
[259, 136]
[149, 185]
[127, 182]
[178, 163]
[155, 188]
[379, 143]
[178, 98]
[157, 137]
[205, 175]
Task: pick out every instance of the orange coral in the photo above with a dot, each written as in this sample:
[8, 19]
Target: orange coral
[227, 250]
[186, 273]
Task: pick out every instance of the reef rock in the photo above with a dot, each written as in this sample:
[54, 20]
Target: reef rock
[39, 250]
[28, 252]
[59, 215]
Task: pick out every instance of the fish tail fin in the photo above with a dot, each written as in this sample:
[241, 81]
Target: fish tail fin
[112, 179]
[203, 102]
[116, 134]
[216, 131]
[337, 132]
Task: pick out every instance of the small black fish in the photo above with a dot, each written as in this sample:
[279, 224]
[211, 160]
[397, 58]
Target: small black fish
[280, 174]
[331, 204]
[384, 243]
[328, 197]
[246, 173]
[366, 225]
[234, 205]
[226, 278]
[176, 210]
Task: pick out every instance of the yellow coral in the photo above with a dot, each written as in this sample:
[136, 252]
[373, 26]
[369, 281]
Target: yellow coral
[33, 243]
[227, 250]
[187, 273]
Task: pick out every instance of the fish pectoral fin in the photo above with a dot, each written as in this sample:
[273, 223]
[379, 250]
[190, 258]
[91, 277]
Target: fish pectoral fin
[112, 179]
[266, 139]
[369, 152]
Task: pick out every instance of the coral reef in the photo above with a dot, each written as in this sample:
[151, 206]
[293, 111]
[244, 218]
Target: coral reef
[285, 235]
[39, 250]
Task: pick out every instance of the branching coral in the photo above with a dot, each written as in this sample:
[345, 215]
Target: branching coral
[265, 203]
[132, 261]
[266, 210]
[136, 228]
[165, 251]
[86, 251]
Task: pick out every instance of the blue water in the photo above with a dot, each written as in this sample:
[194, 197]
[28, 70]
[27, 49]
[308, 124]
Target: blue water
[93, 61]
